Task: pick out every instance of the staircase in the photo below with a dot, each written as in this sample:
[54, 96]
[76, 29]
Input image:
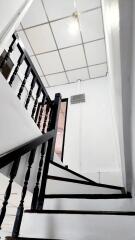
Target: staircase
[70, 214]
[65, 204]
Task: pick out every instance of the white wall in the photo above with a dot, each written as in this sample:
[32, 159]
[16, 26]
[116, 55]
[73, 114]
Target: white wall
[8, 10]
[16, 125]
[119, 16]
[11, 14]
[90, 142]
[16, 128]
[132, 99]
[112, 37]
[127, 10]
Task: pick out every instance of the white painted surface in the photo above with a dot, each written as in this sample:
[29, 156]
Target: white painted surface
[89, 204]
[80, 227]
[14, 13]
[90, 142]
[38, 32]
[120, 35]
[61, 187]
[56, 171]
[101, 177]
[127, 13]
[131, 100]
[112, 34]
[16, 126]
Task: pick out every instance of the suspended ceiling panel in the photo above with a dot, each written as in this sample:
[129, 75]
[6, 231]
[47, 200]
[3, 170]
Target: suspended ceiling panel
[65, 40]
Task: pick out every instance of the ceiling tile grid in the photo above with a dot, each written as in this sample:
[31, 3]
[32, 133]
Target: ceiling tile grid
[50, 62]
[65, 40]
[57, 79]
[78, 74]
[97, 71]
[73, 57]
[41, 39]
[61, 33]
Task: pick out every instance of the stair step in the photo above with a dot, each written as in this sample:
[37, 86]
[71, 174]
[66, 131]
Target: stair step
[61, 186]
[65, 179]
[79, 226]
[89, 204]
[59, 170]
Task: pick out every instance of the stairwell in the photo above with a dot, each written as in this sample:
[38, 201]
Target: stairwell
[64, 203]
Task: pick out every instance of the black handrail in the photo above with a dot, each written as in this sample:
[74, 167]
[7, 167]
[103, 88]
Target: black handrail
[10, 156]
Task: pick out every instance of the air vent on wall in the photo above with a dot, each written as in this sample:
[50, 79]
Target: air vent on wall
[79, 98]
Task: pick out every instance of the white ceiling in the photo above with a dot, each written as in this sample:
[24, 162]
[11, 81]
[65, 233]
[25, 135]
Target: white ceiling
[60, 55]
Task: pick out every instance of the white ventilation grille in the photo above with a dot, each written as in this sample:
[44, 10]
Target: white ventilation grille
[79, 98]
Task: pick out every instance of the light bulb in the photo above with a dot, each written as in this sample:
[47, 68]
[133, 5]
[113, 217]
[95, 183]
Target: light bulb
[73, 26]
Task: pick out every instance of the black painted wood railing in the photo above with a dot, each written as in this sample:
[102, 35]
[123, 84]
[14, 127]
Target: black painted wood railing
[45, 114]
[47, 143]
[27, 83]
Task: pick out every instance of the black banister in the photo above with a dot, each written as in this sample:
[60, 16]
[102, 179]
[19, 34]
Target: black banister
[45, 113]
[33, 70]
[9, 157]
[43, 151]
[53, 123]
[30, 70]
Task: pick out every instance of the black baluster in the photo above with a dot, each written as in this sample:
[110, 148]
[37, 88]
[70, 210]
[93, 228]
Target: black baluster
[43, 149]
[10, 50]
[20, 60]
[45, 118]
[30, 92]
[36, 189]
[53, 123]
[36, 102]
[27, 73]
[8, 190]
[20, 208]
[41, 111]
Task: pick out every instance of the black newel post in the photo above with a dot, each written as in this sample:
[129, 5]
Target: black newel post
[53, 123]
